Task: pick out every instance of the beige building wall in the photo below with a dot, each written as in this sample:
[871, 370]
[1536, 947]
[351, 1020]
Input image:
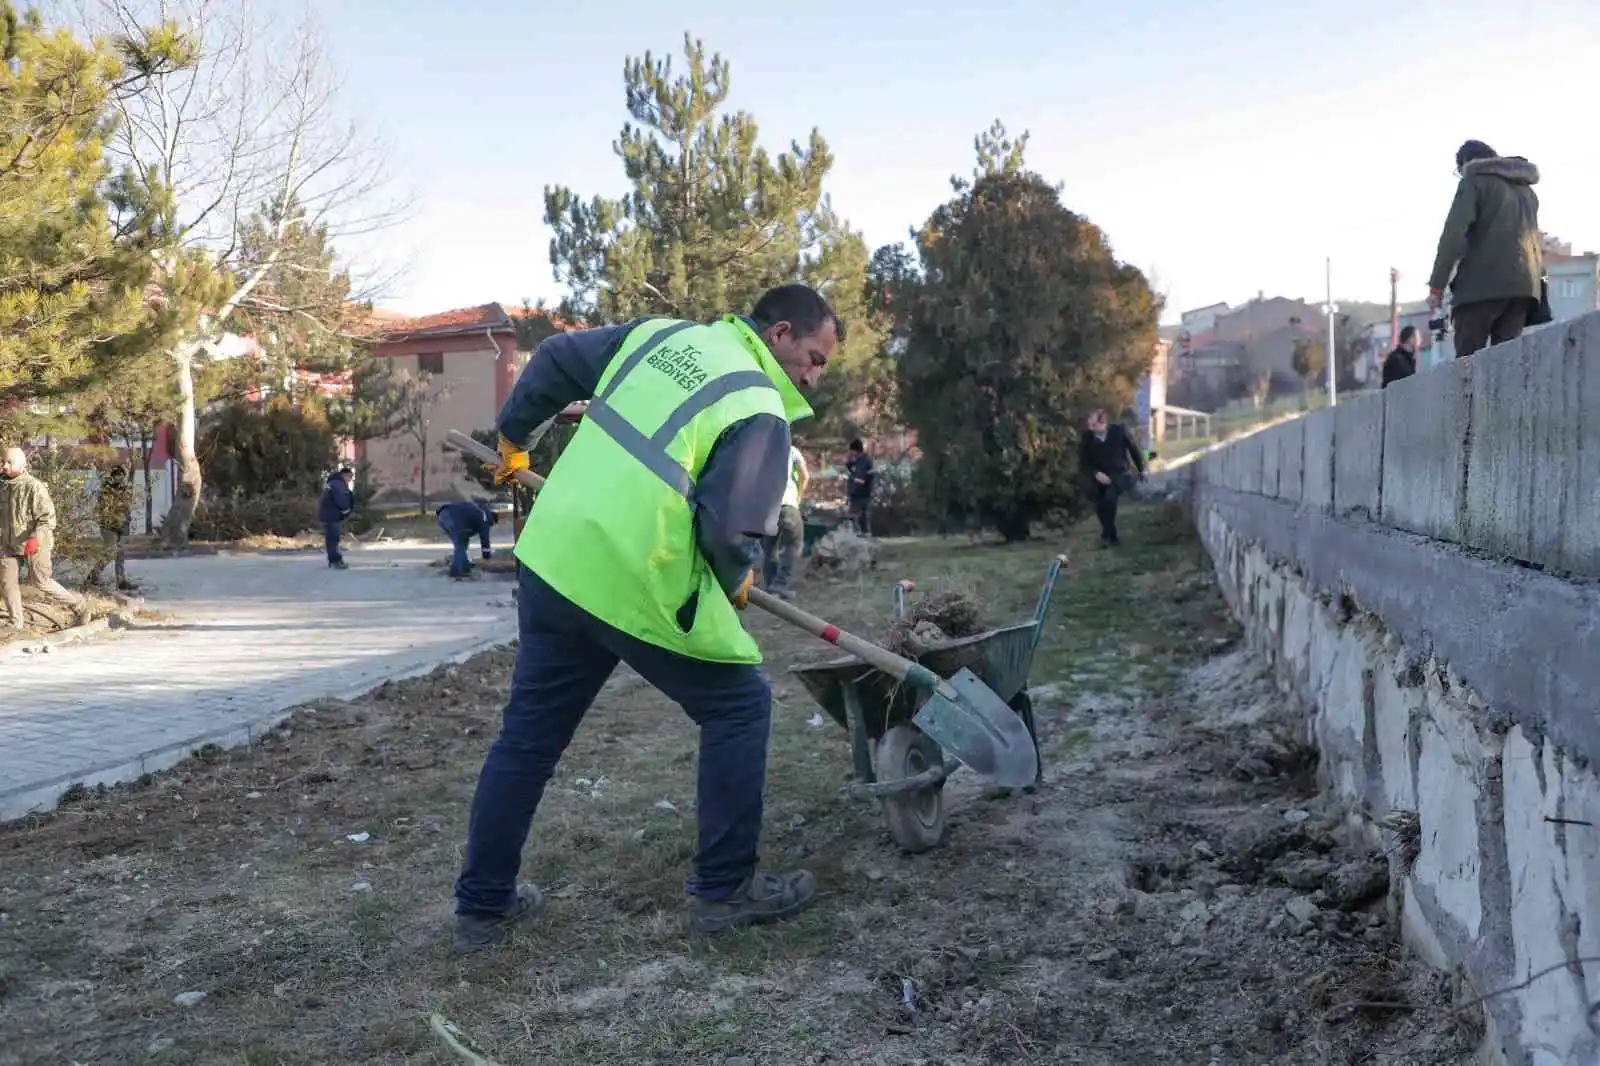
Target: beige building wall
[466, 401]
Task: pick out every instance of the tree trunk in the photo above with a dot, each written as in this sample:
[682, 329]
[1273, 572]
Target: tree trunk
[146, 447]
[186, 495]
[422, 491]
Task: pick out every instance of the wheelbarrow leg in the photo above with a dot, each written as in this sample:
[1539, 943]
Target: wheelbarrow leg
[860, 744]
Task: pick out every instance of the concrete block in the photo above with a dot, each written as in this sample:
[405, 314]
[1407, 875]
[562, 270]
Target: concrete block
[1358, 455]
[1269, 460]
[1396, 708]
[1533, 473]
[1248, 454]
[1317, 464]
[1342, 715]
[1451, 772]
[1291, 460]
[1553, 1013]
[1427, 421]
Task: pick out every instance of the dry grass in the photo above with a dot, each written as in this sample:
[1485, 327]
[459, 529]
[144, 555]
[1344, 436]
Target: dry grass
[1018, 941]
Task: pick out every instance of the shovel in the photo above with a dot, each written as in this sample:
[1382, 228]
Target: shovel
[491, 458]
[962, 714]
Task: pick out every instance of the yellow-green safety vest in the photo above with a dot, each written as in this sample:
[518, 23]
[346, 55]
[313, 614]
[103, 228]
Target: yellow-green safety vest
[612, 529]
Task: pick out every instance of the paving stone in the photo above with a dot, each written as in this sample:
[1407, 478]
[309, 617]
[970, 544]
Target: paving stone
[250, 636]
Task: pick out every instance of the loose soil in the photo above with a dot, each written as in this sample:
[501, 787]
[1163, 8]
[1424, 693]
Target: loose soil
[1172, 893]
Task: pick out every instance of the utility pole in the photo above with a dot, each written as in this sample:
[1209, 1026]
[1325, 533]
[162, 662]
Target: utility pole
[1332, 310]
[1394, 309]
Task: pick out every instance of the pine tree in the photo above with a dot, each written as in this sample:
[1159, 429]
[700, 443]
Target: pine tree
[301, 310]
[711, 219]
[1023, 322]
[74, 238]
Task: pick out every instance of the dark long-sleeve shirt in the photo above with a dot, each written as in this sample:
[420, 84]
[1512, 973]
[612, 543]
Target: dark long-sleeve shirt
[1110, 456]
[337, 501]
[470, 518]
[1398, 364]
[738, 491]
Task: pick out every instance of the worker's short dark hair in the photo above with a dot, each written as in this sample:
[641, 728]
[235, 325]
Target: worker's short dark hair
[1471, 150]
[346, 470]
[1407, 333]
[799, 305]
[857, 446]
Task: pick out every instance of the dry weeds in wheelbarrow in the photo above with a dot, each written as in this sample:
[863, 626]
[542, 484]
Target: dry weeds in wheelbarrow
[932, 620]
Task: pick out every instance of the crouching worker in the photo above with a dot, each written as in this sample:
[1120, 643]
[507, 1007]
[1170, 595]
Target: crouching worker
[462, 520]
[641, 548]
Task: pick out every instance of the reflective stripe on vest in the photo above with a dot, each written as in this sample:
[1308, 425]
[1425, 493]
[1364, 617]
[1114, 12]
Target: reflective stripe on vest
[652, 451]
[613, 528]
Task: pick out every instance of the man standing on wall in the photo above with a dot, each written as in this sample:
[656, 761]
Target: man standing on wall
[641, 548]
[859, 476]
[1104, 451]
[783, 551]
[1489, 253]
[27, 535]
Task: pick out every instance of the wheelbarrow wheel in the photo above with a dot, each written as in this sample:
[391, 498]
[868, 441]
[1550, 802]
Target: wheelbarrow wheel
[916, 819]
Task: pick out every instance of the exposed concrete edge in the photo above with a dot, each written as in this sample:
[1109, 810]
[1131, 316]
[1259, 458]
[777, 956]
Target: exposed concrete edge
[1523, 640]
[37, 797]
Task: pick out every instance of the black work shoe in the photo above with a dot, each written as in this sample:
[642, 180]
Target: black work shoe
[479, 932]
[762, 898]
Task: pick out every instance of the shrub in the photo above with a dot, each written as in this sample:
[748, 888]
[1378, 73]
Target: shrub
[276, 514]
[278, 448]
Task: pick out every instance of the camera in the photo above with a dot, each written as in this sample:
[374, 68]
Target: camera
[1440, 327]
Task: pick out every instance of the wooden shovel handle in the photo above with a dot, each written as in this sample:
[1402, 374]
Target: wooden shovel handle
[490, 458]
[880, 658]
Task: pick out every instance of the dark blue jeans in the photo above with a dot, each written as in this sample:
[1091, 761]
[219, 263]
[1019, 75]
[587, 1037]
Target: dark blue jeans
[330, 540]
[564, 656]
[460, 565]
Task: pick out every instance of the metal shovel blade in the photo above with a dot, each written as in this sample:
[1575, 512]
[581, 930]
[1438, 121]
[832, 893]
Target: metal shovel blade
[969, 721]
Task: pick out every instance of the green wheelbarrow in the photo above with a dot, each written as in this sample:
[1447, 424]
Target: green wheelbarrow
[896, 763]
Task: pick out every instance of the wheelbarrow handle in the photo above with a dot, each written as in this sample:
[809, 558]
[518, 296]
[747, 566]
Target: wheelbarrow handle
[490, 458]
[880, 658]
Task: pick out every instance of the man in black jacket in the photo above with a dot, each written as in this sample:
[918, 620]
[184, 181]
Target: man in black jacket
[1104, 452]
[1402, 362]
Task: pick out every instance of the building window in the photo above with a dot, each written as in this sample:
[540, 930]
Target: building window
[431, 363]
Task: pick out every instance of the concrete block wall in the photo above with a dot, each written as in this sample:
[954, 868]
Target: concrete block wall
[1420, 567]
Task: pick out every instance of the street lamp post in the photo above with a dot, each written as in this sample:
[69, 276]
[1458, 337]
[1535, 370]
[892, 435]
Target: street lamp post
[1331, 309]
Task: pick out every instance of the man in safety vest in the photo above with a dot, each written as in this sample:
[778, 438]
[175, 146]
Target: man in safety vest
[641, 548]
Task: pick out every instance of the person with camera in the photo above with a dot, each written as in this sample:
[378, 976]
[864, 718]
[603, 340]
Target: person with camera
[1489, 253]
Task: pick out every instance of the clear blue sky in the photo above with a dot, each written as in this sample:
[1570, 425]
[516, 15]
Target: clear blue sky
[1225, 147]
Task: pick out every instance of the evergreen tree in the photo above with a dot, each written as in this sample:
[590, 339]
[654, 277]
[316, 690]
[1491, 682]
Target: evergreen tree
[1023, 322]
[711, 219]
[301, 311]
[74, 238]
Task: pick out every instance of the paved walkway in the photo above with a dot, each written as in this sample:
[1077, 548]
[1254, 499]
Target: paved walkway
[250, 637]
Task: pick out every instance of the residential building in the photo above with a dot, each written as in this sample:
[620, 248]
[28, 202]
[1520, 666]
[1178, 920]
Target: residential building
[469, 360]
[1202, 319]
[1572, 284]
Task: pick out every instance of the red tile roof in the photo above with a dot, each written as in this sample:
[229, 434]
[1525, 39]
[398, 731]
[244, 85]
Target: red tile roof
[443, 324]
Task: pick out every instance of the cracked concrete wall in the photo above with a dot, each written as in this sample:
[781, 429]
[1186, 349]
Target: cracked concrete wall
[1418, 566]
